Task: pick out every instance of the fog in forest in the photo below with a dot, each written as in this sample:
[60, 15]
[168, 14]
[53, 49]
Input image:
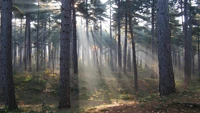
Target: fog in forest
[93, 56]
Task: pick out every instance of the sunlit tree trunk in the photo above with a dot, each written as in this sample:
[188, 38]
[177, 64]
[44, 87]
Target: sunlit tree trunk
[166, 78]
[6, 55]
[64, 92]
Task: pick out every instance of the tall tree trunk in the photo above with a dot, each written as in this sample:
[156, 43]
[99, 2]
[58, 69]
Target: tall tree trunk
[134, 53]
[37, 40]
[20, 46]
[87, 35]
[53, 56]
[198, 54]
[129, 60]
[125, 43]
[29, 41]
[75, 56]
[101, 47]
[188, 45]
[166, 78]
[119, 37]
[64, 93]
[111, 39]
[25, 44]
[6, 54]
[44, 44]
[49, 43]
[152, 37]
[15, 54]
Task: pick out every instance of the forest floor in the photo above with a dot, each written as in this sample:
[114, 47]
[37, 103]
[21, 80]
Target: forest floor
[108, 93]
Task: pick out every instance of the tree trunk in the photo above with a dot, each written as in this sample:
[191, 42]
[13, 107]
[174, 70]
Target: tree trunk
[37, 40]
[198, 55]
[134, 55]
[111, 40]
[6, 54]
[101, 47]
[29, 41]
[14, 54]
[64, 92]
[44, 44]
[87, 35]
[129, 60]
[75, 56]
[20, 46]
[125, 44]
[152, 38]
[119, 37]
[166, 78]
[25, 44]
[49, 43]
[188, 45]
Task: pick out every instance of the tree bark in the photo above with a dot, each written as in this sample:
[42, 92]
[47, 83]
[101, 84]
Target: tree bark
[6, 54]
[75, 56]
[125, 43]
[134, 53]
[111, 39]
[64, 92]
[198, 55]
[152, 37]
[188, 45]
[37, 39]
[119, 37]
[166, 78]
[28, 42]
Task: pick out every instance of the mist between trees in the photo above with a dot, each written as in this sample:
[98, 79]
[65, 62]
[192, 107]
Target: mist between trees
[87, 53]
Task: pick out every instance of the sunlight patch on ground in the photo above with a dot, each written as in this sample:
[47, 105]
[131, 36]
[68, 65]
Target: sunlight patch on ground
[102, 107]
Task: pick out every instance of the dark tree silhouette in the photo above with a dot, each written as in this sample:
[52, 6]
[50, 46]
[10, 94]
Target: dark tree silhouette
[166, 78]
[64, 93]
[6, 55]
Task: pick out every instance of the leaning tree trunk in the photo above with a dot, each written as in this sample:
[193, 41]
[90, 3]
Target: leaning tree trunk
[6, 54]
[166, 79]
[64, 92]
